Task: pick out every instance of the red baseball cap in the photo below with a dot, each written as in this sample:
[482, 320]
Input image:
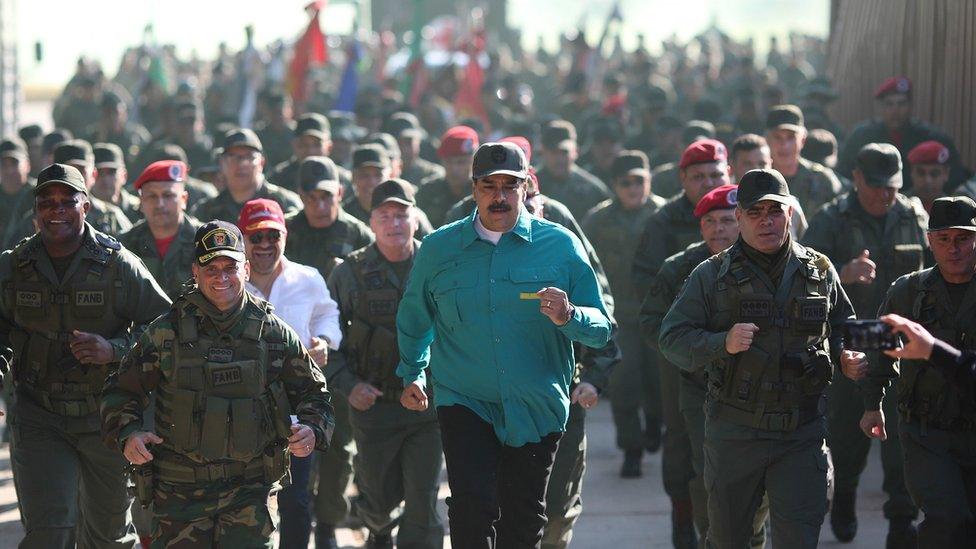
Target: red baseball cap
[929, 152]
[521, 143]
[261, 214]
[457, 141]
[895, 84]
[163, 170]
[704, 151]
[719, 198]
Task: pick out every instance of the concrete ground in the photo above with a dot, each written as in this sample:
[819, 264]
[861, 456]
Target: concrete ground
[618, 514]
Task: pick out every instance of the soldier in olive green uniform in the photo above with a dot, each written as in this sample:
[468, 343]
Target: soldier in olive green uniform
[197, 190]
[371, 165]
[410, 137]
[312, 137]
[613, 228]
[16, 188]
[236, 391]
[73, 301]
[666, 176]
[438, 194]
[110, 176]
[872, 235]
[242, 163]
[276, 127]
[762, 319]
[398, 456]
[937, 408]
[113, 126]
[164, 239]
[811, 184]
[564, 180]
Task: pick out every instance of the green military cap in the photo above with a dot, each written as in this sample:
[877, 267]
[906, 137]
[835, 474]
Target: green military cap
[242, 137]
[314, 124]
[74, 151]
[758, 185]
[55, 138]
[404, 124]
[392, 190]
[108, 155]
[60, 174]
[697, 129]
[386, 141]
[630, 162]
[953, 212]
[880, 164]
[503, 158]
[370, 155]
[558, 133]
[30, 132]
[13, 147]
[218, 239]
[785, 117]
[318, 173]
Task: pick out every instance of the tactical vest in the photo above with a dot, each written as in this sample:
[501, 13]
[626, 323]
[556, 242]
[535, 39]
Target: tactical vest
[372, 340]
[46, 315]
[778, 383]
[930, 395]
[224, 406]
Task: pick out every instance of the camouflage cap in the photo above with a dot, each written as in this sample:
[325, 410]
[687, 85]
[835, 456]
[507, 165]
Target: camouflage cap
[953, 212]
[218, 239]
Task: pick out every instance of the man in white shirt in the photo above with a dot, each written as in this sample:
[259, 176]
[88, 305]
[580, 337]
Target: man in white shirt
[300, 298]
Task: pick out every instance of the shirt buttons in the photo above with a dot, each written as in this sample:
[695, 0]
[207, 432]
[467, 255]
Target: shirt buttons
[498, 340]
[493, 281]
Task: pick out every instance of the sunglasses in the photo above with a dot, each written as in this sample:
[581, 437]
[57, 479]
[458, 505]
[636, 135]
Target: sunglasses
[258, 237]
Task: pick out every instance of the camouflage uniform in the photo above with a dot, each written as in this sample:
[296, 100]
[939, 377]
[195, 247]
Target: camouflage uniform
[841, 231]
[173, 270]
[579, 192]
[212, 474]
[398, 456]
[225, 208]
[70, 488]
[813, 186]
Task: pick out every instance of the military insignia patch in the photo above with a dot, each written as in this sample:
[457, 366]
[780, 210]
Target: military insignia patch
[221, 356]
[382, 307]
[28, 299]
[225, 376]
[89, 298]
[755, 308]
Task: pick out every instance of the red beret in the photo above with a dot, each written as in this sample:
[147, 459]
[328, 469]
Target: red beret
[457, 141]
[163, 170]
[895, 84]
[929, 152]
[719, 198]
[521, 143]
[702, 151]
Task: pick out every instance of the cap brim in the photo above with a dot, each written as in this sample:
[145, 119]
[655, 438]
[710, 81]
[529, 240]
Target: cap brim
[264, 225]
[893, 182]
[210, 256]
[515, 174]
[970, 228]
[41, 186]
[314, 133]
[329, 185]
[635, 171]
[108, 165]
[13, 154]
[370, 164]
[397, 200]
[787, 200]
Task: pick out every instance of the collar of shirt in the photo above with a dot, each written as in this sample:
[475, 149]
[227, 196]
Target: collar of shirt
[522, 228]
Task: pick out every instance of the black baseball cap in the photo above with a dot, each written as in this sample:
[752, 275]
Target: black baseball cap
[55, 138]
[314, 124]
[499, 158]
[318, 173]
[785, 117]
[880, 164]
[218, 239]
[404, 124]
[386, 141]
[13, 147]
[31, 131]
[392, 190]
[60, 174]
[165, 151]
[108, 155]
[630, 162]
[370, 155]
[758, 185]
[953, 212]
[697, 129]
[242, 137]
[558, 133]
[74, 151]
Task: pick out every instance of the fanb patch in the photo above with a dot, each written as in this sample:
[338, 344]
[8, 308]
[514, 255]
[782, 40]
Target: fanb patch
[382, 307]
[813, 310]
[28, 299]
[89, 298]
[755, 308]
[220, 356]
[227, 375]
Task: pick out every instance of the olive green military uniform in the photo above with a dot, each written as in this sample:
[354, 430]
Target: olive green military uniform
[70, 488]
[223, 400]
[580, 192]
[129, 204]
[104, 217]
[285, 175]
[420, 171]
[937, 408]
[692, 388]
[172, 270]
[435, 197]
[665, 180]
[277, 143]
[21, 204]
[635, 385]
[225, 208]
[398, 457]
[813, 186]
[323, 249]
[764, 411]
[842, 230]
[355, 209]
[132, 139]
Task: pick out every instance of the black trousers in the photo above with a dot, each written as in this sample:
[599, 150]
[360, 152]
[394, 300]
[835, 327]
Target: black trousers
[498, 492]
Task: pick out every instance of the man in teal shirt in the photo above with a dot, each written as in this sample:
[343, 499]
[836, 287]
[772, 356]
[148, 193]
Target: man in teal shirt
[493, 304]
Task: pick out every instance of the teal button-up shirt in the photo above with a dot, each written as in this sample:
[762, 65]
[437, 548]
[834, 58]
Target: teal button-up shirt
[488, 349]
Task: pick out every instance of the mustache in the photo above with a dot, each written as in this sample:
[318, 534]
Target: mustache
[498, 208]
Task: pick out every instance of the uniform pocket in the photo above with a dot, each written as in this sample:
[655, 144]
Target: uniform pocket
[454, 294]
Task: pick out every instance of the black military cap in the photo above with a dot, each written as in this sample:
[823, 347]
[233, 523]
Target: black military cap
[404, 124]
[318, 173]
[344, 126]
[953, 212]
[499, 158]
[607, 129]
[218, 239]
[697, 129]
[242, 137]
[758, 185]
[60, 174]
[55, 138]
[386, 141]
[165, 151]
[74, 151]
[785, 117]
[558, 133]
[108, 155]
[314, 124]
[880, 164]
[630, 162]
[392, 190]
[30, 132]
[820, 144]
[13, 147]
[370, 155]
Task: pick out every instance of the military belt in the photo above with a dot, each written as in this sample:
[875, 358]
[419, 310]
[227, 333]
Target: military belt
[178, 473]
[775, 420]
[63, 407]
[954, 424]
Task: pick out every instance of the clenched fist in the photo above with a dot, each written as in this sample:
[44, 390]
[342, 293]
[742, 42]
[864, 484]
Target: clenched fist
[739, 337]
